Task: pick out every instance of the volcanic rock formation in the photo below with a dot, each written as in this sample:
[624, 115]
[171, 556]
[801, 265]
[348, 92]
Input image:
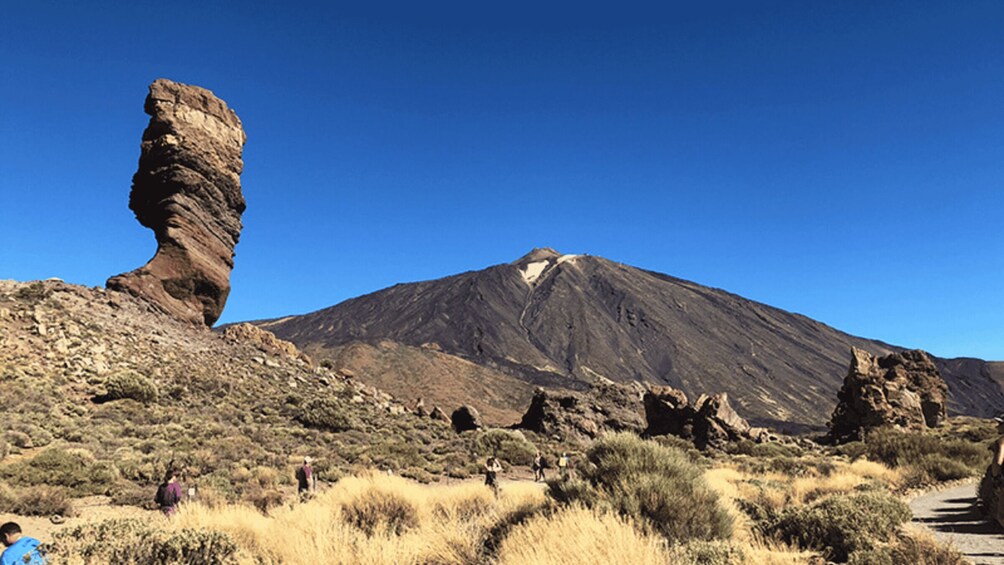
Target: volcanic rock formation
[570, 321]
[188, 191]
[904, 390]
[709, 422]
[565, 415]
[264, 340]
[466, 418]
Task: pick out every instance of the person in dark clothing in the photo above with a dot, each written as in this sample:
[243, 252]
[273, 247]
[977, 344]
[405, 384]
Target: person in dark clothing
[21, 549]
[538, 466]
[492, 469]
[169, 493]
[306, 481]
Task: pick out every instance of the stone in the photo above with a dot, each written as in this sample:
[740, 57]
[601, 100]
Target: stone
[582, 416]
[902, 390]
[187, 190]
[466, 418]
[264, 340]
[420, 408]
[437, 413]
[710, 422]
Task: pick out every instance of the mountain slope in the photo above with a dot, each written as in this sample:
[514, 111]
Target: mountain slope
[566, 321]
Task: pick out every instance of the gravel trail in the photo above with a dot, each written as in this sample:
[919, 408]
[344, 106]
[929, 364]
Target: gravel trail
[951, 515]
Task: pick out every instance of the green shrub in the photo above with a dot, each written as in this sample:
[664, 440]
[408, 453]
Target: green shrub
[709, 553]
[656, 485]
[130, 385]
[937, 457]
[377, 511]
[135, 541]
[508, 445]
[36, 501]
[325, 414]
[75, 469]
[843, 524]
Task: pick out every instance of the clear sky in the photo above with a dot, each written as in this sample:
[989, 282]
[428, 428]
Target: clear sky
[838, 159]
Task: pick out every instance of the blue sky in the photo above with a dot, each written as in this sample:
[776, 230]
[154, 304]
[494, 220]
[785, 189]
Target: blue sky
[838, 160]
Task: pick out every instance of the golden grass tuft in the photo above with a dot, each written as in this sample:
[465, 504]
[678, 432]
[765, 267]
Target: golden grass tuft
[579, 535]
[451, 523]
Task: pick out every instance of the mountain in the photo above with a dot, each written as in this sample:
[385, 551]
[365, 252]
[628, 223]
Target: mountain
[565, 321]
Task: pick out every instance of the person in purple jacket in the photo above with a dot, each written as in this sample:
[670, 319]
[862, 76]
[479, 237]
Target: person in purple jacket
[169, 493]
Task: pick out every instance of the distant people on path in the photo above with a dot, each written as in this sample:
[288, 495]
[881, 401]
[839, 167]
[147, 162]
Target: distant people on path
[538, 466]
[169, 493]
[20, 549]
[492, 470]
[306, 480]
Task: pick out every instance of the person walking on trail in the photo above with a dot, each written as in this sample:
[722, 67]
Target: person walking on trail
[996, 473]
[492, 469]
[20, 549]
[538, 467]
[169, 493]
[306, 481]
[564, 465]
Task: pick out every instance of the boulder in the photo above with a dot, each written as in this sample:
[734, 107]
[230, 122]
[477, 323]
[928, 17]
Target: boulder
[188, 191]
[572, 415]
[437, 413]
[264, 340]
[466, 418]
[709, 422]
[902, 390]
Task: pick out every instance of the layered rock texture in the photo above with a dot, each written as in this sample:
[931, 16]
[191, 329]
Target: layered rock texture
[709, 422]
[904, 390]
[188, 191]
[583, 416]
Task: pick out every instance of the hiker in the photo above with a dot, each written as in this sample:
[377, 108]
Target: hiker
[538, 467]
[564, 465]
[169, 493]
[492, 469]
[997, 510]
[306, 481]
[20, 549]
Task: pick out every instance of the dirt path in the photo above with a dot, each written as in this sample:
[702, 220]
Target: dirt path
[951, 515]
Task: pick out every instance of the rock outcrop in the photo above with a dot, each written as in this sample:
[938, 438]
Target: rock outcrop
[265, 341]
[466, 418]
[188, 191]
[571, 415]
[903, 390]
[709, 422]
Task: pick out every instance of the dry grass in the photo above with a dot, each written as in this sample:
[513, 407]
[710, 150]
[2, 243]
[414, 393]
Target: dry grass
[448, 525]
[579, 535]
[777, 490]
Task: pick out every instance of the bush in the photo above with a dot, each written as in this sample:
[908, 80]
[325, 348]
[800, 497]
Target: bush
[135, 541]
[36, 501]
[325, 414]
[130, 385]
[653, 484]
[74, 469]
[709, 553]
[378, 510]
[508, 445]
[843, 524]
[931, 457]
